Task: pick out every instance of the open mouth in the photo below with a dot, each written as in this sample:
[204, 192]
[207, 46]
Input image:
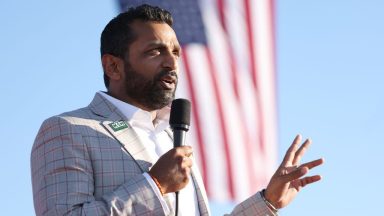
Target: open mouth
[168, 82]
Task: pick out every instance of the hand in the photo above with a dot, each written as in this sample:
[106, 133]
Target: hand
[172, 170]
[287, 182]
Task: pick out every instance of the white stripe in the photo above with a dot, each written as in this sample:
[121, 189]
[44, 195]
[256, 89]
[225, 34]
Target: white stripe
[183, 92]
[237, 144]
[211, 129]
[211, 132]
[266, 85]
[237, 28]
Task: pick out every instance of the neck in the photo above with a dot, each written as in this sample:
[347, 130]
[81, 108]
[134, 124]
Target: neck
[128, 100]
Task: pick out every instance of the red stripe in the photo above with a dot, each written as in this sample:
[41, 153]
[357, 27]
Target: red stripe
[272, 27]
[249, 147]
[253, 63]
[228, 161]
[196, 117]
[251, 42]
[273, 46]
[235, 81]
[220, 7]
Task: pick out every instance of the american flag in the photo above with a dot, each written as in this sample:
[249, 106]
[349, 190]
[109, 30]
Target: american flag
[228, 73]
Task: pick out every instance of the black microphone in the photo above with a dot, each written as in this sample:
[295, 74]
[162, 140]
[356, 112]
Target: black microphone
[179, 120]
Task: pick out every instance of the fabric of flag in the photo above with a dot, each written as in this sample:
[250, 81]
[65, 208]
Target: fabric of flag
[228, 73]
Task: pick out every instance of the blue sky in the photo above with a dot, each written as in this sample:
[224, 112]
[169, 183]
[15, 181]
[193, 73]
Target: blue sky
[330, 75]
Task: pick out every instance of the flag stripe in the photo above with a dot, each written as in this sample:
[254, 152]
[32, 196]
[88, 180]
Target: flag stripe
[223, 13]
[267, 79]
[272, 45]
[212, 71]
[209, 116]
[251, 43]
[196, 118]
[253, 69]
[221, 10]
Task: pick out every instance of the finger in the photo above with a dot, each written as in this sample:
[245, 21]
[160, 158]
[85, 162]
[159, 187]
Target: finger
[309, 180]
[184, 150]
[186, 173]
[302, 170]
[291, 151]
[187, 162]
[188, 151]
[313, 163]
[299, 153]
[294, 175]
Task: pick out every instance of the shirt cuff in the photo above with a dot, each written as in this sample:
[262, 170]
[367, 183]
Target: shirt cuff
[262, 202]
[157, 192]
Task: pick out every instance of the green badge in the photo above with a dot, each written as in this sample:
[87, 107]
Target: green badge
[119, 125]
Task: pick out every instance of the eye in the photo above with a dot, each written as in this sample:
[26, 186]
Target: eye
[176, 53]
[153, 52]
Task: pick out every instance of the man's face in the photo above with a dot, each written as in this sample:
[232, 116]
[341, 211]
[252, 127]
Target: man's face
[151, 66]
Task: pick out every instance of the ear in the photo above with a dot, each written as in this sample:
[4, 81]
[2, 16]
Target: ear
[113, 66]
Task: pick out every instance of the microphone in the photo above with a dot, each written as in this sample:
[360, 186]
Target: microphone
[179, 120]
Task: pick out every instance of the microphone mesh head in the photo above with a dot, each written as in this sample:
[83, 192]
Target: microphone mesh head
[180, 112]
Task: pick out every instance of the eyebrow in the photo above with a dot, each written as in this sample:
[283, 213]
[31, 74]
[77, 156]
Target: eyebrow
[162, 44]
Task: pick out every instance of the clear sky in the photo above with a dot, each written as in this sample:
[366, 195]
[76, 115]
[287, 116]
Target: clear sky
[330, 88]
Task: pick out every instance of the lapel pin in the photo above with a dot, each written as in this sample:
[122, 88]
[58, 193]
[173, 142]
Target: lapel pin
[119, 125]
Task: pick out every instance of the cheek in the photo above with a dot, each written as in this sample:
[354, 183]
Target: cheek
[148, 68]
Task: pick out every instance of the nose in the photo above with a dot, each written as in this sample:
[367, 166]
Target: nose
[170, 62]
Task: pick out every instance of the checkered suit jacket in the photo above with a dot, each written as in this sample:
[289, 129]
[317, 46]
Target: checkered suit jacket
[81, 166]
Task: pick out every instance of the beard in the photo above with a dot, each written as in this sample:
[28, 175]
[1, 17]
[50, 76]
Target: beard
[146, 91]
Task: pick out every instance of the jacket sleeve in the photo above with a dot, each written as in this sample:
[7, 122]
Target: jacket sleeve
[63, 178]
[254, 205]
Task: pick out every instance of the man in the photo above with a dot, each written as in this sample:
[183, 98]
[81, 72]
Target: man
[115, 156]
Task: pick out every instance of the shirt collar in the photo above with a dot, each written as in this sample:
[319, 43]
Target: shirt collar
[141, 118]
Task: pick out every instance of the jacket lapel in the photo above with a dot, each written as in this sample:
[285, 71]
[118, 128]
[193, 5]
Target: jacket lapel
[200, 192]
[119, 128]
[128, 138]
[116, 124]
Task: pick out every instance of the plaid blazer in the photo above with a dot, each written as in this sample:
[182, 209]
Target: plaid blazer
[82, 165]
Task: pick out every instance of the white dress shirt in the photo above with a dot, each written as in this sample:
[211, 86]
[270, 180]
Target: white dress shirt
[157, 142]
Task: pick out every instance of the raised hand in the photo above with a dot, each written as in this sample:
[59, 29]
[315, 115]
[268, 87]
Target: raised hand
[288, 178]
[172, 170]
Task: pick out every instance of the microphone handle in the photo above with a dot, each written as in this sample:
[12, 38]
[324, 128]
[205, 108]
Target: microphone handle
[178, 138]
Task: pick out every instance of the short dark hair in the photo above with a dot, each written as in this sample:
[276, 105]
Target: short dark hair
[118, 35]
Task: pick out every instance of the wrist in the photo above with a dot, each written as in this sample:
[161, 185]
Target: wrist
[268, 203]
[157, 184]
